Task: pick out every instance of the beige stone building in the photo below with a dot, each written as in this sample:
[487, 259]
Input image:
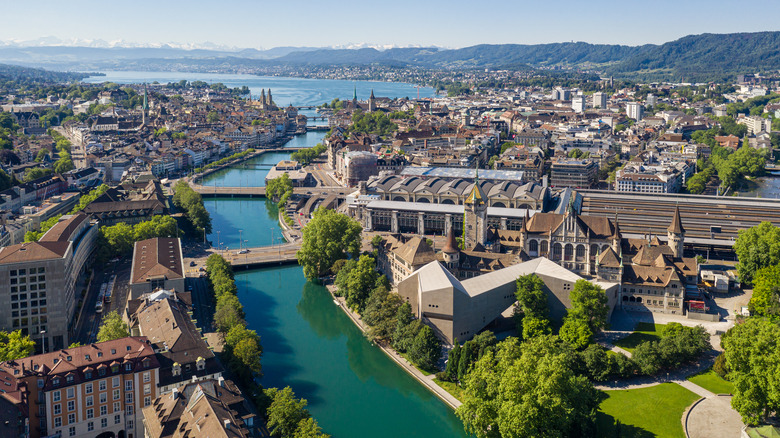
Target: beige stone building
[41, 280]
[157, 264]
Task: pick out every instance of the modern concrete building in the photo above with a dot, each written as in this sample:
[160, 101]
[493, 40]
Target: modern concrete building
[599, 100]
[635, 110]
[157, 264]
[578, 103]
[460, 309]
[40, 279]
[581, 174]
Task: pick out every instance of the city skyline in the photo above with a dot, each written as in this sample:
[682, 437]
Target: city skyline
[403, 23]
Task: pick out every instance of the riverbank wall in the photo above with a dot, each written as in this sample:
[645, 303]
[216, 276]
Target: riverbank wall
[410, 369]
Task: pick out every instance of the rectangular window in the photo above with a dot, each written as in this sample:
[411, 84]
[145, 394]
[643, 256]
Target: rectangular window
[129, 424]
[71, 405]
[128, 385]
[72, 431]
[88, 388]
[71, 418]
[71, 392]
[90, 413]
[128, 397]
[103, 422]
[56, 396]
[147, 377]
[57, 409]
[116, 394]
[115, 382]
[90, 401]
[102, 385]
[129, 411]
[117, 407]
[103, 410]
[117, 419]
[148, 388]
[147, 401]
[103, 397]
[90, 426]
[57, 421]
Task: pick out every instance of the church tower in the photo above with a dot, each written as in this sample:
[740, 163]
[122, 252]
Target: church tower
[371, 102]
[616, 237]
[475, 223]
[354, 98]
[676, 234]
[262, 97]
[270, 99]
[145, 107]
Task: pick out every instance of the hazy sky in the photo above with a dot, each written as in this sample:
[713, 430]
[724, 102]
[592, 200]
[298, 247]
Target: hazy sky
[452, 23]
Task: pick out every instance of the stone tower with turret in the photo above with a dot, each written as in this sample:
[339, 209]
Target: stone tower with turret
[451, 253]
[475, 218]
[676, 234]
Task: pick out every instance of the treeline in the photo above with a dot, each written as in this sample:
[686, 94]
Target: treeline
[286, 415]
[224, 161]
[375, 122]
[279, 189]
[730, 166]
[306, 156]
[390, 320]
[190, 201]
[118, 240]
[242, 346]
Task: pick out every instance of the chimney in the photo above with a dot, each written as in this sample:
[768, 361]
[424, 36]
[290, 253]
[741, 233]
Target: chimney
[226, 422]
[221, 381]
[175, 393]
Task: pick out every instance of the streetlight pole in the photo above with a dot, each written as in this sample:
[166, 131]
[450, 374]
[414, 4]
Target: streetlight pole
[219, 242]
[240, 239]
[43, 341]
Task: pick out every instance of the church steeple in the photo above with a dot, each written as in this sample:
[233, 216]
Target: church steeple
[371, 102]
[475, 212]
[676, 234]
[145, 107]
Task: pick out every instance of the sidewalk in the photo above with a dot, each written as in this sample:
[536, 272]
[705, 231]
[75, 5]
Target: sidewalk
[427, 381]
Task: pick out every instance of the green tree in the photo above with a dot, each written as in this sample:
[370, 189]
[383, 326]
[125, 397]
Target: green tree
[229, 313]
[329, 236]
[112, 327]
[766, 292]
[576, 332]
[531, 296]
[527, 390]
[212, 117]
[360, 281]
[285, 412]
[42, 154]
[380, 312]
[115, 240]
[533, 327]
[752, 351]
[63, 165]
[14, 345]
[756, 248]
[425, 349]
[35, 173]
[157, 226]
[308, 428]
[589, 302]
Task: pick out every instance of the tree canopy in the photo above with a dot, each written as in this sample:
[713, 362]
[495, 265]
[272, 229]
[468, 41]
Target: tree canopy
[14, 345]
[525, 390]
[766, 292]
[112, 327]
[757, 247]
[328, 237]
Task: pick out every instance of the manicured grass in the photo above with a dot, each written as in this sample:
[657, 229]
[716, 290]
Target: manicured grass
[645, 412]
[453, 388]
[644, 332]
[713, 382]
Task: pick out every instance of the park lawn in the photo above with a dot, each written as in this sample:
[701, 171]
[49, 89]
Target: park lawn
[451, 387]
[645, 412]
[710, 381]
[644, 332]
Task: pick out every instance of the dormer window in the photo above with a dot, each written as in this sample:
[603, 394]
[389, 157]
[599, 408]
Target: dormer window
[114, 368]
[69, 379]
[56, 381]
[128, 367]
[113, 351]
[102, 372]
[145, 363]
[88, 375]
[100, 354]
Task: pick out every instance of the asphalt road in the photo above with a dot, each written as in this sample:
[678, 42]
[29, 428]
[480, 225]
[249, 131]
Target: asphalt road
[90, 322]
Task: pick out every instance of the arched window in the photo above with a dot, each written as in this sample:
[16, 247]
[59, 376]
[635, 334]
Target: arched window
[594, 250]
[556, 251]
[604, 248]
[533, 246]
[580, 252]
[568, 252]
[543, 248]
[638, 299]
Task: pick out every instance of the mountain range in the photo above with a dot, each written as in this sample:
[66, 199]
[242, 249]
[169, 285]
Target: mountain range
[693, 58]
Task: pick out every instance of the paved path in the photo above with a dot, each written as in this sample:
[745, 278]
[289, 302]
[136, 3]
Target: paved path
[711, 417]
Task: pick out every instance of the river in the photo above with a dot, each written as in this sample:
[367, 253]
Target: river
[353, 389]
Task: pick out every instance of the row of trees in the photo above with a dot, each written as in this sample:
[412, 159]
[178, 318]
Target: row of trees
[190, 201]
[117, 240]
[62, 145]
[223, 161]
[306, 156]
[758, 252]
[389, 319]
[242, 346]
[287, 416]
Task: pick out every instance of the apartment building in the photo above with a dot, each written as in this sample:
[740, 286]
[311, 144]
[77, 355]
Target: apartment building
[87, 391]
[573, 173]
[157, 264]
[41, 278]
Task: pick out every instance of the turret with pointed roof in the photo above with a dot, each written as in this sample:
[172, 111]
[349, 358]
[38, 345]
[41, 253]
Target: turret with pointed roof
[475, 223]
[676, 234]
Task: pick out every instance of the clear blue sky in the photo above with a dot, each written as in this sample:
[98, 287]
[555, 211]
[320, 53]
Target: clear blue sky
[451, 23]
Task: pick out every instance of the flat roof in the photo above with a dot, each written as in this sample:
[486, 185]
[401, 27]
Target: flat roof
[462, 172]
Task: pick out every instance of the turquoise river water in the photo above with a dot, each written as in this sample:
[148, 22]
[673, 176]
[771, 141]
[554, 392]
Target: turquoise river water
[353, 388]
